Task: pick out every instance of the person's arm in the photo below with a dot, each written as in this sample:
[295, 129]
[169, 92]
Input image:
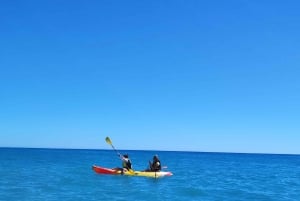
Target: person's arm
[121, 157]
[159, 165]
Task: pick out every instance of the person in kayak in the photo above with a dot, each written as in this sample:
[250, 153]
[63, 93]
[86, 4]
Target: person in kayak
[126, 162]
[155, 166]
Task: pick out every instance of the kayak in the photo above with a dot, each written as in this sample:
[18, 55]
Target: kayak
[117, 171]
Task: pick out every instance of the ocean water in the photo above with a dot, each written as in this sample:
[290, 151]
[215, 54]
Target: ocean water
[61, 174]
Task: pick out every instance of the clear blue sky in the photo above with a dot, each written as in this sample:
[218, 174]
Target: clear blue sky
[163, 75]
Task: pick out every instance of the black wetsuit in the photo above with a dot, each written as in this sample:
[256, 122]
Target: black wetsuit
[155, 166]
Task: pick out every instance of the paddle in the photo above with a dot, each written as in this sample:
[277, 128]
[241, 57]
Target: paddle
[107, 139]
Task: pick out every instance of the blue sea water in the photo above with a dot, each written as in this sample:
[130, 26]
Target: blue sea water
[62, 174]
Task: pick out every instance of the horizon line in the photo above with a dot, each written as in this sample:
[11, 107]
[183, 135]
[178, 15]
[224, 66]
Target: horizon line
[191, 151]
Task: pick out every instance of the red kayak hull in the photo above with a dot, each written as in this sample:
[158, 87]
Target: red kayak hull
[102, 170]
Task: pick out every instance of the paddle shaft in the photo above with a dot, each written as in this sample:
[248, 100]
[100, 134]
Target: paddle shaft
[115, 149]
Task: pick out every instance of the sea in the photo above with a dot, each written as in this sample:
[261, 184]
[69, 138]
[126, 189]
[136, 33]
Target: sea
[30, 174]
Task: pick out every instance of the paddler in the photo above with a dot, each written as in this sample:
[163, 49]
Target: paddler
[126, 162]
[155, 166]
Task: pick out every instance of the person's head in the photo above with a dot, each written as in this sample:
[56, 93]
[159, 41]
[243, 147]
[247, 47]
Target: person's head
[126, 156]
[155, 157]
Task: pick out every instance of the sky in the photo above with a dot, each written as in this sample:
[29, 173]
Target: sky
[213, 76]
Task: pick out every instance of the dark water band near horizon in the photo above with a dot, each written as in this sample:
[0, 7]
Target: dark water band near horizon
[66, 174]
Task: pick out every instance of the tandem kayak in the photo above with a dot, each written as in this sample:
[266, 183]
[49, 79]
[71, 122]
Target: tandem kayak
[116, 171]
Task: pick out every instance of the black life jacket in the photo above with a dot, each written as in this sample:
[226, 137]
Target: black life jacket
[156, 165]
[127, 164]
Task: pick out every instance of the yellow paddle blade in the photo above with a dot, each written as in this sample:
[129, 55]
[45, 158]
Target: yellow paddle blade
[108, 140]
